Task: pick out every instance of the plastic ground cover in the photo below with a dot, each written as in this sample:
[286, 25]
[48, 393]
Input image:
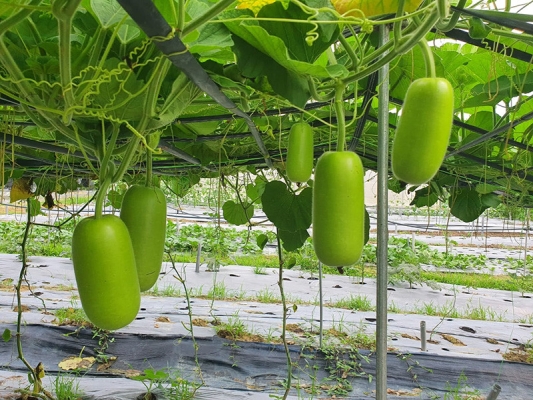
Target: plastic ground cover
[462, 355]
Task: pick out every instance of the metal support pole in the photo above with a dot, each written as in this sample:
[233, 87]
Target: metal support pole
[495, 392]
[198, 257]
[423, 339]
[321, 323]
[382, 228]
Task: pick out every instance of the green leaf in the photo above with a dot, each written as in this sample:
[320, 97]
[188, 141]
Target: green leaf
[6, 336]
[293, 240]
[395, 185]
[35, 207]
[286, 210]
[501, 88]
[182, 94]
[115, 198]
[261, 240]
[108, 12]
[128, 32]
[254, 192]
[274, 47]
[425, 197]
[236, 213]
[477, 28]
[467, 204]
[484, 188]
[255, 64]
[289, 262]
[490, 200]
[294, 35]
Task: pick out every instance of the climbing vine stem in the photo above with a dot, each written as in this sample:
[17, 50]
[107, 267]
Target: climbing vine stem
[284, 319]
[429, 60]
[339, 112]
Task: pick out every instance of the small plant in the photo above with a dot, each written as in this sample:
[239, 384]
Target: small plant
[165, 291]
[71, 316]
[218, 291]
[266, 296]
[260, 270]
[235, 329]
[461, 391]
[356, 303]
[66, 387]
[104, 339]
[151, 380]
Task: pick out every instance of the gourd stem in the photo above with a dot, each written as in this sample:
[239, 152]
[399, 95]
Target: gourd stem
[100, 196]
[349, 51]
[126, 160]
[181, 15]
[428, 58]
[17, 17]
[148, 182]
[442, 7]
[397, 27]
[314, 92]
[444, 26]
[109, 151]
[339, 113]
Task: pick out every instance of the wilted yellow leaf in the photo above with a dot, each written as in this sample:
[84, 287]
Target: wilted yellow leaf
[254, 5]
[70, 363]
[20, 190]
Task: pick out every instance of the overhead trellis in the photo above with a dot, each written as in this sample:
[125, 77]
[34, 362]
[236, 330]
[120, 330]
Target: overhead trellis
[255, 80]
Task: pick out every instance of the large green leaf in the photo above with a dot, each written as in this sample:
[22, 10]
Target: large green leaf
[183, 93]
[293, 240]
[425, 197]
[273, 46]
[119, 96]
[294, 34]
[286, 210]
[237, 214]
[467, 204]
[501, 88]
[286, 83]
[108, 12]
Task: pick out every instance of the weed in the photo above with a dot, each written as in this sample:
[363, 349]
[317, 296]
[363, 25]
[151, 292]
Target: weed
[267, 296]
[66, 387]
[104, 340]
[260, 270]
[483, 313]
[356, 303]
[71, 316]
[461, 391]
[165, 291]
[169, 383]
[218, 291]
[235, 329]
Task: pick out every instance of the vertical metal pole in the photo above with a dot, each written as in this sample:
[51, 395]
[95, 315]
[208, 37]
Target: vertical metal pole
[423, 339]
[382, 228]
[321, 323]
[198, 257]
[495, 392]
[525, 242]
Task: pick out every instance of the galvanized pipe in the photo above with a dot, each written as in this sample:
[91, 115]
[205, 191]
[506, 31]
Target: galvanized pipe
[495, 392]
[382, 225]
[423, 338]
